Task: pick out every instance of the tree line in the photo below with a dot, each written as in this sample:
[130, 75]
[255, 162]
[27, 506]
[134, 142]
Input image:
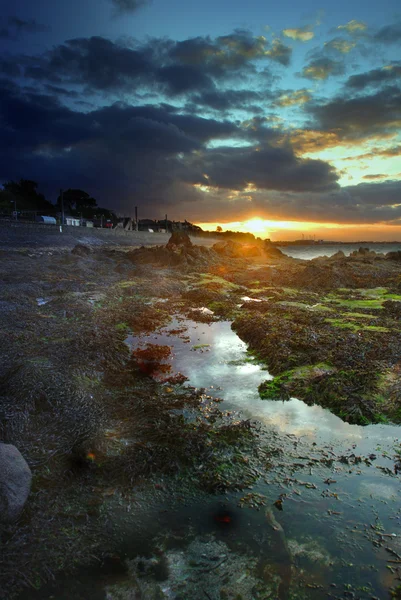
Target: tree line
[23, 195]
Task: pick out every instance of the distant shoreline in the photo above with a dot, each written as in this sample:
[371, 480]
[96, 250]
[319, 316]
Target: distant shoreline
[327, 243]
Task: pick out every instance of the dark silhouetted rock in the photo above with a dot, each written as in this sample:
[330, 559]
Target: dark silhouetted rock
[273, 252]
[179, 238]
[363, 254]
[337, 256]
[81, 250]
[15, 483]
[394, 256]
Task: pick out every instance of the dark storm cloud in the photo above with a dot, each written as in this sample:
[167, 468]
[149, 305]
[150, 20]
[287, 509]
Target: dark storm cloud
[12, 27]
[197, 128]
[224, 100]
[360, 117]
[153, 153]
[54, 90]
[180, 79]
[375, 77]
[230, 52]
[129, 6]
[159, 65]
[389, 34]
[40, 119]
[42, 73]
[9, 68]
[268, 168]
[97, 63]
[364, 203]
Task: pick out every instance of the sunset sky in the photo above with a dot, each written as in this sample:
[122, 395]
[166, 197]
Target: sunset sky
[280, 118]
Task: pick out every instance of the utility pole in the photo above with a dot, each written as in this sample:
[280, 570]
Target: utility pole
[62, 208]
[15, 209]
[136, 219]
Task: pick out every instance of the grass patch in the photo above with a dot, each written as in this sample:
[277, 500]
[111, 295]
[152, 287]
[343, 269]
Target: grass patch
[356, 315]
[341, 324]
[208, 278]
[355, 304]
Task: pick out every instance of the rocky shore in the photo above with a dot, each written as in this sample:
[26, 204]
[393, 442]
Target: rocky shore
[104, 430]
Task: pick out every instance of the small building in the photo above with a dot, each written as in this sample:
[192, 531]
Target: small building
[146, 224]
[72, 221]
[87, 223]
[45, 219]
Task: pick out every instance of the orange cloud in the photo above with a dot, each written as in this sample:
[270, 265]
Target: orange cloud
[301, 34]
[297, 97]
[343, 46]
[388, 152]
[354, 27]
[310, 140]
[375, 176]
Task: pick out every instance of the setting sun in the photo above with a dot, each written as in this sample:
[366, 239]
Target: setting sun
[256, 226]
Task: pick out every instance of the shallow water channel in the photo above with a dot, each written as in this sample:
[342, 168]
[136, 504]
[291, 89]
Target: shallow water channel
[213, 357]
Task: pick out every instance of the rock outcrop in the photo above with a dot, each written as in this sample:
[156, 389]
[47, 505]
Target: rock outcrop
[179, 239]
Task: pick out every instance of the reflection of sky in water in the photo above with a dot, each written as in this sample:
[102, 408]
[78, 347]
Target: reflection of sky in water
[221, 368]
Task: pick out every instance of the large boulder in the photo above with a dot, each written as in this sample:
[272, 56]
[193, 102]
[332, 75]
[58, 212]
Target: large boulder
[394, 256]
[15, 483]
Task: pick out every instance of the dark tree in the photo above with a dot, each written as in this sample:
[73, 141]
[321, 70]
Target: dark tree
[77, 203]
[26, 196]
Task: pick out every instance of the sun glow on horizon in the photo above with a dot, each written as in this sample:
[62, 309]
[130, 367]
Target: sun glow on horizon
[291, 230]
[265, 227]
